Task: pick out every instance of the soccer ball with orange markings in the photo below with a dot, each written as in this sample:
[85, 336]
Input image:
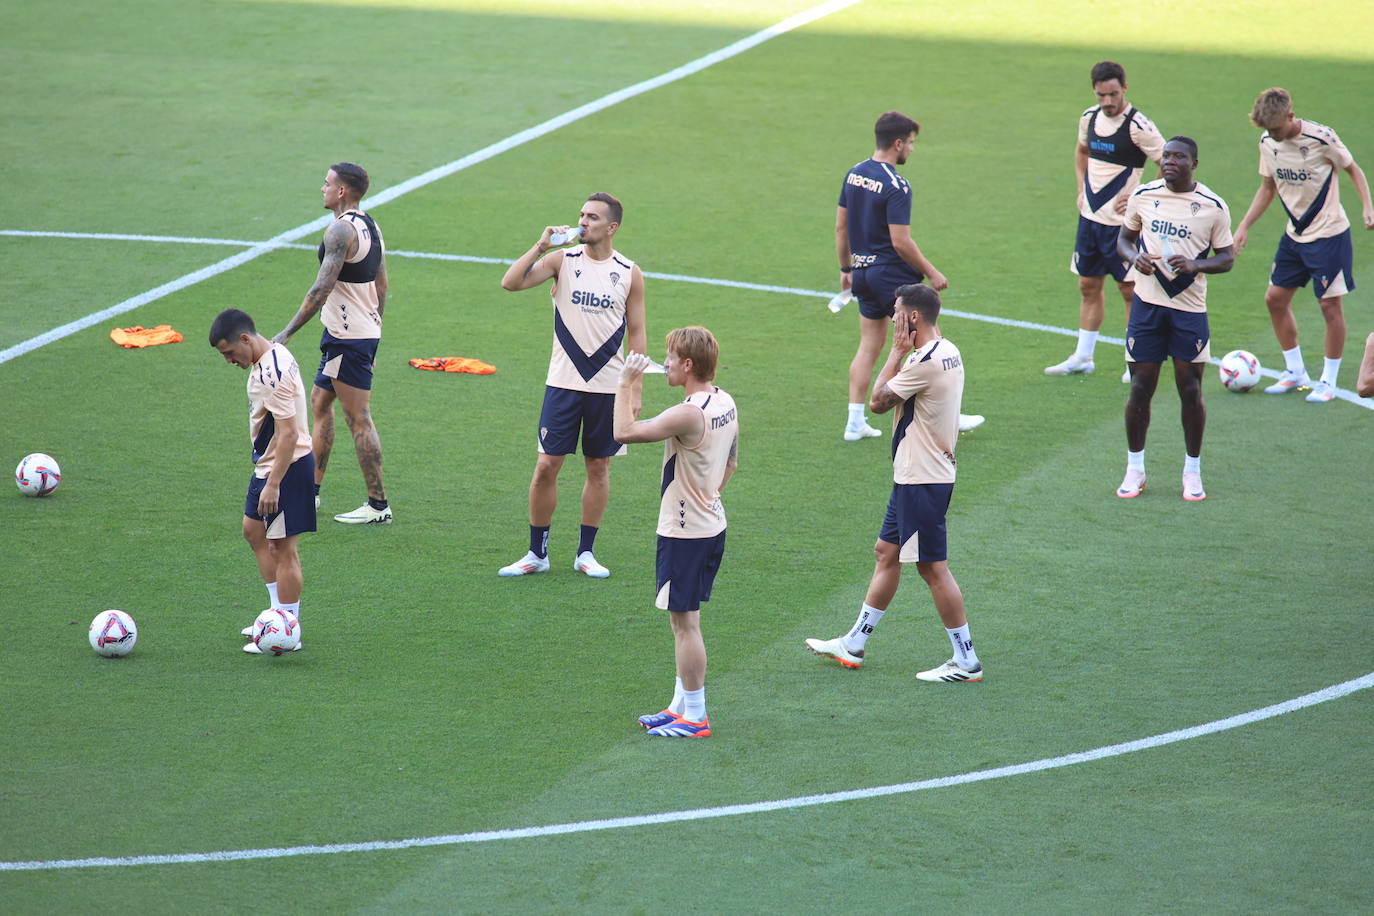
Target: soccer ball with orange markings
[37, 475]
[1239, 371]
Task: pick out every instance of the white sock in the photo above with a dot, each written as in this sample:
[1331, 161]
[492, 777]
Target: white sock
[294, 607]
[1087, 340]
[858, 634]
[1192, 465]
[1292, 360]
[1135, 461]
[856, 414]
[694, 705]
[1330, 370]
[676, 706]
[964, 656]
[272, 594]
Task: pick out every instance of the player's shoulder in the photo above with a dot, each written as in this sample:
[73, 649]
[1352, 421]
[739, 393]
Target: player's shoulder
[1149, 187]
[1207, 197]
[621, 260]
[1323, 134]
[1140, 120]
[1089, 112]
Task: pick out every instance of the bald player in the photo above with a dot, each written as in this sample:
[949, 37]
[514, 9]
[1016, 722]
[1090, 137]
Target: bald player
[598, 308]
[1115, 140]
[700, 440]
[1176, 231]
[280, 505]
[350, 295]
[1297, 164]
[924, 376]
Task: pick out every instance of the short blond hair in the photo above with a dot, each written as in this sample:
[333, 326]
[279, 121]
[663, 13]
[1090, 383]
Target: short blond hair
[1272, 108]
[697, 344]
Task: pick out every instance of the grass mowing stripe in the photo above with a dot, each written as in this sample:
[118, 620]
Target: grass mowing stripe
[1341, 393]
[1335, 691]
[419, 181]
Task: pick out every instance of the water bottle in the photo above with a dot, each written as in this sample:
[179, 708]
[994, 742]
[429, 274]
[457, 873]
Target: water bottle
[840, 300]
[567, 237]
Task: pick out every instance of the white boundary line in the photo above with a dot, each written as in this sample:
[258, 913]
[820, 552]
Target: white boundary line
[1342, 393]
[419, 181]
[1324, 695]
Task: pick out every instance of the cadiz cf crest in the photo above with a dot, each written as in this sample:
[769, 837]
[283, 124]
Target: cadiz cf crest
[615, 278]
[543, 433]
[1195, 206]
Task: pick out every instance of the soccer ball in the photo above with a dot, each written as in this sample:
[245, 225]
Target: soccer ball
[1240, 371]
[37, 475]
[113, 634]
[276, 631]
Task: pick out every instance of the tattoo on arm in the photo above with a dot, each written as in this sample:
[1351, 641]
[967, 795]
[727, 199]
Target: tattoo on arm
[884, 399]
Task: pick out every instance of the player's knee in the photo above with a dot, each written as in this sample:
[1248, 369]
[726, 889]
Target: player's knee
[1277, 299]
[1333, 309]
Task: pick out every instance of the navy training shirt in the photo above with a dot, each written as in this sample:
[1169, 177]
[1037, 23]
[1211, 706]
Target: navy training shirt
[875, 197]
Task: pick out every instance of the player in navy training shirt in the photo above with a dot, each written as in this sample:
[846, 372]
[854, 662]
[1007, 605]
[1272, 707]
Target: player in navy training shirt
[877, 254]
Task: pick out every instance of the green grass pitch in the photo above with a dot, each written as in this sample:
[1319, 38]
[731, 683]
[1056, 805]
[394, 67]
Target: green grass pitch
[437, 699]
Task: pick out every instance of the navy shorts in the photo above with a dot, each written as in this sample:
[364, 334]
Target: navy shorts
[566, 413]
[685, 570]
[1328, 263]
[915, 521]
[1094, 251]
[348, 361]
[876, 287]
[295, 500]
[1155, 332]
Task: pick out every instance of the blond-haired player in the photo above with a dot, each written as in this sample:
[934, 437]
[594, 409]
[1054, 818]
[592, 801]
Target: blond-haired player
[700, 440]
[1297, 164]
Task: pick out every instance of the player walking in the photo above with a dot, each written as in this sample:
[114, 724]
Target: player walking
[877, 254]
[924, 376]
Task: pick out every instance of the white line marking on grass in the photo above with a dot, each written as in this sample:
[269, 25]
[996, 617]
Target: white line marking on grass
[419, 181]
[696, 814]
[1342, 393]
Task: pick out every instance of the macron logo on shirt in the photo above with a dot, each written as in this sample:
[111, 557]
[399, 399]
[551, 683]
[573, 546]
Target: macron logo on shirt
[868, 184]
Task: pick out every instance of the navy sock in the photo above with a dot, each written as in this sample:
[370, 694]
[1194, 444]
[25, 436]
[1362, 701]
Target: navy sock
[539, 540]
[378, 504]
[317, 489]
[587, 541]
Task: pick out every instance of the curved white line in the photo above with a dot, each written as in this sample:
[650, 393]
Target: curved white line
[696, 814]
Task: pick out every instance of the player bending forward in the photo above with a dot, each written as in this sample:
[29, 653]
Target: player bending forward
[928, 385]
[700, 440]
[281, 493]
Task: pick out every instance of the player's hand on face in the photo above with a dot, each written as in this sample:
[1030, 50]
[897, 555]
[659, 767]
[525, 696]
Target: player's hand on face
[937, 280]
[635, 364]
[902, 332]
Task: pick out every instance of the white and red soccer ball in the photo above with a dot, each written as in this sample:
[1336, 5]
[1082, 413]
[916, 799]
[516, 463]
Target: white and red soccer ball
[277, 631]
[113, 634]
[37, 475]
[1239, 370]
